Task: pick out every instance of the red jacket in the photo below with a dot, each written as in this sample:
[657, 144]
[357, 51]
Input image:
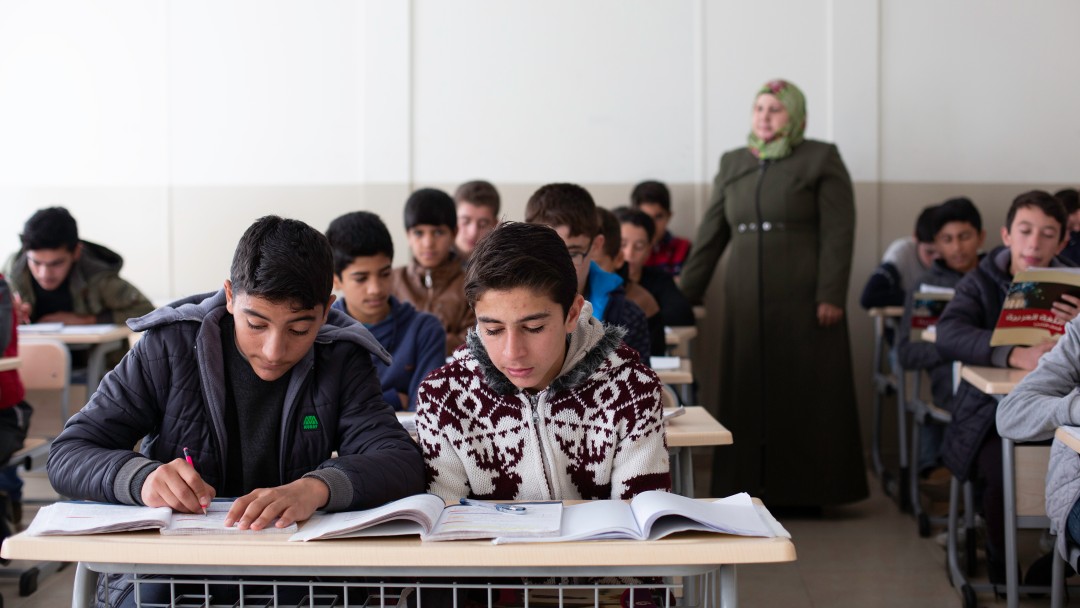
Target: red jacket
[11, 386]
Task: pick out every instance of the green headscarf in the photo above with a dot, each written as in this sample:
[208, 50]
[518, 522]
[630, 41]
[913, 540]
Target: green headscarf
[791, 134]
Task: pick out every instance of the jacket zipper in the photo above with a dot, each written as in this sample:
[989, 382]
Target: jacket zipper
[430, 285]
[534, 404]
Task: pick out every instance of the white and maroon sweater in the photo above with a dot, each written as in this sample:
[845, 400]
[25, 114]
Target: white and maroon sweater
[595, 433]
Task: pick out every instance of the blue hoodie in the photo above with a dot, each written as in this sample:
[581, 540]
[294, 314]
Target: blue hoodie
[608, 298]
[416, 341]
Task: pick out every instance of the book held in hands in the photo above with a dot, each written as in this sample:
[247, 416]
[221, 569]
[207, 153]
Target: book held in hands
[1027, 315]
[926, 308]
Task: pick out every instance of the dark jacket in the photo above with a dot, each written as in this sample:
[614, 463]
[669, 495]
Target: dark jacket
[675, 309]
[963, 334]
[439, 291]
[169, 391]
[605, 292]
[415, 339]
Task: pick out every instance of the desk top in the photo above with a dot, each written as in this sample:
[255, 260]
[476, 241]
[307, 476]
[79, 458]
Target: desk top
[690, 548]
[992, 380]
[683, 375]
[9, 363]
[71, 335]
[886, 311]
[1070, 436]
[696, 427]
[674, 336]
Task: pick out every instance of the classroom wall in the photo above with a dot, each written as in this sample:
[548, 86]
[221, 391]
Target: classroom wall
[167, 127]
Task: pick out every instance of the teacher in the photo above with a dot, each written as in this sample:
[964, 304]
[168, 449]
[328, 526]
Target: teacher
[783, 211]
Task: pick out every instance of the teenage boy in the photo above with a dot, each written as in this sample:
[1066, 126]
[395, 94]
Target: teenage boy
[610, 259]
[1034, 233]
[363, 254]
[958, 238]
[669, 252]
[434, 281]
[477, 213]
[59, 278]
[904, 261]
[1071, 199]
[570, 210]
[544, 402]
[262, 382]
[637, 230]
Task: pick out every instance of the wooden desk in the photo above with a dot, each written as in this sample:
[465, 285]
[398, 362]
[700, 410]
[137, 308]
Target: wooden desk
[677, 339]
[1070, 436]
[683, 377]
[992, 380]
[98, 343]
[695, 428]
[9, 363]
[695, 555]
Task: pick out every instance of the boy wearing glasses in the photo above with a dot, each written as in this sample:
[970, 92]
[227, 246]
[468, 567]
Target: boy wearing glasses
[570, 210]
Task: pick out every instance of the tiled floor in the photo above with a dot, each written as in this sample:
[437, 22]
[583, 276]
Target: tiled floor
[864, 555]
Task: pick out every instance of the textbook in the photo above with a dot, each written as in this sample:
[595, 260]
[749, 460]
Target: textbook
[655, 514]
[1027, 316]
[927, 305]
[73, 518]
[428, 516]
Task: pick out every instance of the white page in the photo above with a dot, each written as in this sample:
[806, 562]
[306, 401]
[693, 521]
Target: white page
[213, 522]
[41, 328]
[420, 511]
[93, 518]
[663, 363]
[88, 330]
[466, 521]
[737, 515]
[599, 519]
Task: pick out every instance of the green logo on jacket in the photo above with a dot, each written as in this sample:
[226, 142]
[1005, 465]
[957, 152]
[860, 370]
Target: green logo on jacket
[311, 423]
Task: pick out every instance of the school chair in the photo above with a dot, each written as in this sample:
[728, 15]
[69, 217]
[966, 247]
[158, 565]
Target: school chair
[888, 378]
[923, 414]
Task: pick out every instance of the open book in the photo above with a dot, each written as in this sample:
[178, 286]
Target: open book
[927, 304]
[73, 518]
[427, 515]
[1027, 317]
[654, 514]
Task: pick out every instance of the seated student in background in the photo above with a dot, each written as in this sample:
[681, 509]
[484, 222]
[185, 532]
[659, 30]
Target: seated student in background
[477, 213]
[1071, 199]
[958, 238]
[1034, 233]
[14, 415]
[905, 259]
[570, 210]
[610, 259]
[636, 231]
[363, 254]
[518, 414]
[433, 281]
[263, 382]
[59, 278]
[669, 252]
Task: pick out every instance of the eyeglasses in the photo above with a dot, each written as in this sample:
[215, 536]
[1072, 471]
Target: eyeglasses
[579, 257]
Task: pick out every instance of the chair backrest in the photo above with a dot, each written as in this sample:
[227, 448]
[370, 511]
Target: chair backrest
[1032, 462]
[46, 366]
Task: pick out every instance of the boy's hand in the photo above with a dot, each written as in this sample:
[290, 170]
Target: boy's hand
[68, 318]
[1067, 308]
[22, 310]
[1027, 357]
[290, 503]
[178, 486]
[827, 314]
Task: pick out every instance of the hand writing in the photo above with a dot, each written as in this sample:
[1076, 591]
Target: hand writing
[22, 310]
[68, 318]
[177, 485]
[290, 503]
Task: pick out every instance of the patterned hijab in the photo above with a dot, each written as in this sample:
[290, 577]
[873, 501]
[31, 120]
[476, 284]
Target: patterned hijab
[791, 134]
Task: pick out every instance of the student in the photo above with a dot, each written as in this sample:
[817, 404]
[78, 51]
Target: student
[958, 238]
[60, 278]
[905, 259]
[669, 252]
[570, 210]
[544, 402]
[263, 382]
[1034, 233]
[1071, 199]
[637, 230]
[433, 281]
[477, 212]
[610, 259]
[363, 254]
[14, 415]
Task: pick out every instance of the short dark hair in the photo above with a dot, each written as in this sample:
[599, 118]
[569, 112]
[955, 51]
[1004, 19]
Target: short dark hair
[612, 231]
[567, 205]
[359, 234]
[637, 217]
[651, 191]
[925, 226]
[1070, 198]
[480, 193]
[50, 228]
[431, 207]
[515, 255]
[959, 209]
[1043, 201]
[283, 260]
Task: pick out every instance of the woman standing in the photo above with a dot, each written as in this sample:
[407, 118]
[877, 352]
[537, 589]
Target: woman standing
[783, 210]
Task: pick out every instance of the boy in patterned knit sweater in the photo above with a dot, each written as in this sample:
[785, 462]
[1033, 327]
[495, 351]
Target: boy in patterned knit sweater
[544, 402]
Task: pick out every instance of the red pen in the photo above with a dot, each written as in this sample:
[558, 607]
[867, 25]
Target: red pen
[187, 457]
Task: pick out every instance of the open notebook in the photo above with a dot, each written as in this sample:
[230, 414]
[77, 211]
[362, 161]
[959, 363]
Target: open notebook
[74, 518]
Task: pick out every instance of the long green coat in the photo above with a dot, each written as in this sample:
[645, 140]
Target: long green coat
[786, 387]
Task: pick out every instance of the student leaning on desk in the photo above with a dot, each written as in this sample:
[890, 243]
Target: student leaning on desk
[219, 373]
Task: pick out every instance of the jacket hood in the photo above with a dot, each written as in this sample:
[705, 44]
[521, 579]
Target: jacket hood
[442, 273]
[96, 258]
[590, 345]
[339, 325]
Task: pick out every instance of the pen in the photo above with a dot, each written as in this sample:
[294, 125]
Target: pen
[187, 457]
[498, 506]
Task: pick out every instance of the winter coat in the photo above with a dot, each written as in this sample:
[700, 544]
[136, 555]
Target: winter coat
[439, 291]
